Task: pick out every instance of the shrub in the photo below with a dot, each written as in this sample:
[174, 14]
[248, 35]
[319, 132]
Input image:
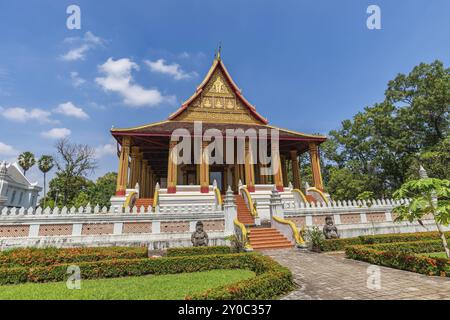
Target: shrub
[271, 281]
[190, 251]
[400, 259]
[410, 247]
[316, 237]
[34, 257]
[341, 244]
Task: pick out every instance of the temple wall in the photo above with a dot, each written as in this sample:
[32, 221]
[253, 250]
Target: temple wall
[355, 218]
[65, 228]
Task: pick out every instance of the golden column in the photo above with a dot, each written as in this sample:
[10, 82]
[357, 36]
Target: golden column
[284, 170]
[236, 177]
[122, 177]
[204, 168]
[134, 178]
[172, 170]
[150, 182]
[144, 174]
[295, 169]
[315, 166]
[278, 176]
[249, 170]
[262, 177]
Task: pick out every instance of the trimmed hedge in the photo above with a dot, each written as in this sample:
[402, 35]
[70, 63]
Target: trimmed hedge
[193, 251]
[35, 257]
[271, 281]
[341, 244]
[400, 260]
[410, 247]
[271, 278]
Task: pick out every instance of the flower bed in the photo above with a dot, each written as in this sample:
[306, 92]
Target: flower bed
[271, 278]
[35, 257]
[403, 256]
[341, 244]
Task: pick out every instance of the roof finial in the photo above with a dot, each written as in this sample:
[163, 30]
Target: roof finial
[219, 51]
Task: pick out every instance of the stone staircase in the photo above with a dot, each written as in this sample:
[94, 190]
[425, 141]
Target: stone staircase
[243, 213]
[259, 238]
[146, 202]
[268, 238]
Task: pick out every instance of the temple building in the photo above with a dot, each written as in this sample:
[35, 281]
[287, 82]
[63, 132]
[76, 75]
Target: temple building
[146, 159]
[15, 189]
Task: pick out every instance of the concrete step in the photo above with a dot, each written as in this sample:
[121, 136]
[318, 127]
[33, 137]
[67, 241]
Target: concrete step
[269, 241]
[273, 246]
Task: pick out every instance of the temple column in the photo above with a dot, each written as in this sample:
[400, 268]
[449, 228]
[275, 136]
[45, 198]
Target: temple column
[262, 177]
[122, 177]
[150, 183]
[172, 169]
[295, 169]
[204, 168]
[134, 178]
[284, 170]
[278, 176]
[249, 170]
[235, 177]
[315, 166]
[142, 179]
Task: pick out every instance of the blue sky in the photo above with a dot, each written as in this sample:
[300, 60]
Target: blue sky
[305, 65]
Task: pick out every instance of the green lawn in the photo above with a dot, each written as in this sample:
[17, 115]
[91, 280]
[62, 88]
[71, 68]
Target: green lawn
[167, 287]
[435, 255]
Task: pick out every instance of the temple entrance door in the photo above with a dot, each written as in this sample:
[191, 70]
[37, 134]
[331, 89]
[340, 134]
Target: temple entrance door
[218, 176]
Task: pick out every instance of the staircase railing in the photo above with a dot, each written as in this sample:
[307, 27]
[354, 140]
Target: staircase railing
[319, 192]
[251, 205]
[155, 199]
[289, 229]
[130, 199]
[300, 194]
[218, 196]
[242, 234]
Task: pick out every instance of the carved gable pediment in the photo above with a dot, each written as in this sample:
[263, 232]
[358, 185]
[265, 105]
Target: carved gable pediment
[217, 102]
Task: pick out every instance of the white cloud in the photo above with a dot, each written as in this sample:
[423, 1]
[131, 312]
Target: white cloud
[81, 46]
[76, 79]
[105, 150]
[174, 69]
[71, 110]
[7, 150]
[118, 78]
[23, 115]
[56, 133]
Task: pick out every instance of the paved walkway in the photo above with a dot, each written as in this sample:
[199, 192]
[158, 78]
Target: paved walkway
[329, 276]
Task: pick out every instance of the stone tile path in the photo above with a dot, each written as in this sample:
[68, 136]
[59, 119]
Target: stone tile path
[329, 276]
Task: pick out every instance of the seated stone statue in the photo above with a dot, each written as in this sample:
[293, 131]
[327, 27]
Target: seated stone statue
[329, 229]
[199, 236]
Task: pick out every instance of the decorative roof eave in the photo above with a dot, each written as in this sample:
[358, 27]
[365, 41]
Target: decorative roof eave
[288, 134]
[218, 62]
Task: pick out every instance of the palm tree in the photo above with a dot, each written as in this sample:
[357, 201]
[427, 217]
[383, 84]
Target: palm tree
[26, 161]
[45, 164]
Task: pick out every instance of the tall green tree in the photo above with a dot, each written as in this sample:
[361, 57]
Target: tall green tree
[45, 164]
[380, 148]
[26, 161]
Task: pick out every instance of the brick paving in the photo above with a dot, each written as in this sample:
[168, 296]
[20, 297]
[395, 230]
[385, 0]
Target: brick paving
[330, 276]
